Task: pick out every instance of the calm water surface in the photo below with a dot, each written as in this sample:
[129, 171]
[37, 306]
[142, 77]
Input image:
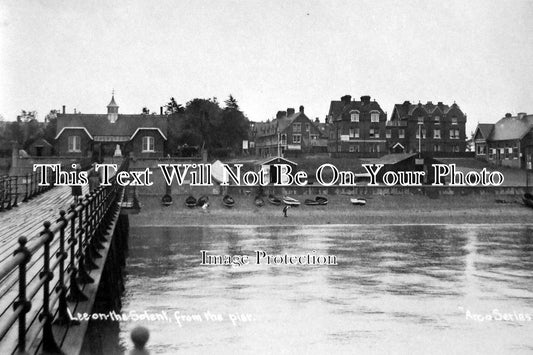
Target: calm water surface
[396, 289]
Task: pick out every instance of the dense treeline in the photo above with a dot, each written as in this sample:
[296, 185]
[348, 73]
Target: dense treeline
[203, 123]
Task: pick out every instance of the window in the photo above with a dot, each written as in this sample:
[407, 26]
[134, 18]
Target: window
[436, 148]
[297, 127]
[376, 133]
[454, 134]
[74, 144]
[296, 138]
[437, 120]
[352, 149]
[436, 134]
[354, 116]
[283, 139]
[374, 116]
[307, 127]
[148, 144]
[371, 133]
[401, 133]
[352, 132]
[388, 133]
[423, 133]
[356, 135]
[454, 120]
[456, 148]
[420, 119]
[314, 137]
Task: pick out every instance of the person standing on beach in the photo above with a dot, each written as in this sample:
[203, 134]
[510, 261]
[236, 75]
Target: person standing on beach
[285, 209]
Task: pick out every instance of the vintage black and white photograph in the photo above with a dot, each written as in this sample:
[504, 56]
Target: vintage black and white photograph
[266, 177]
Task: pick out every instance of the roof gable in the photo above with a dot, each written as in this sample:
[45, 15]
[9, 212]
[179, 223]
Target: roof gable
[99, 125]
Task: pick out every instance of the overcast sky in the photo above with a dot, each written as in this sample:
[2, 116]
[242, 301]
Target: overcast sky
[269, 54]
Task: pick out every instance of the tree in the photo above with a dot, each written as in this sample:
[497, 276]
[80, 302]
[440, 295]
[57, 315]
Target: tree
[231, 103]
[172, 107]
[50, 121]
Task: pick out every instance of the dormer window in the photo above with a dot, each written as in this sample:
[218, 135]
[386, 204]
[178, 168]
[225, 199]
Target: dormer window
[374, 116]
[354, 116]
[437, 120]
[454, 120]
[420, 119]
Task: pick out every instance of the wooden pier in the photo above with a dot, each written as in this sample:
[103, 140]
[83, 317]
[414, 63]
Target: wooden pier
[55, 258]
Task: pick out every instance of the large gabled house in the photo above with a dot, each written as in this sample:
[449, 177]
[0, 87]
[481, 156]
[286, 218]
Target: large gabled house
[356, 127]
[290, 133]
[508, 142]
[111, 134]
[432, 128]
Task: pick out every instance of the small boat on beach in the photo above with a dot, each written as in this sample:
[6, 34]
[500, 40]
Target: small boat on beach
[322, 200]
[358, 201]
[228, 201]
[274, 200]
[528, 199]
[258, 201]
[309, 202]
[166, 200]
[289, 201]
[190, 202]
[202, 201]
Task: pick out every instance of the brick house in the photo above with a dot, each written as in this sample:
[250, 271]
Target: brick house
[293, 133]
[356, 127]
[100, 135]
[508, 142]
[438, 129]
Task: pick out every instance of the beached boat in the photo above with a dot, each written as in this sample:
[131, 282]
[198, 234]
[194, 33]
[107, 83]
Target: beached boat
[258, 201]
[228, 201]
[358, 201]
[190, 202]
[322, 200]
[274, 200]
[310, 202]
[528, 199]
[202, 201]
[289, 201]
[166, 200]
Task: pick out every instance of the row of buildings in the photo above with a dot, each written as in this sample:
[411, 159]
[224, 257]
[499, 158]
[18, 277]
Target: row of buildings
[352, 128]
[360, 128]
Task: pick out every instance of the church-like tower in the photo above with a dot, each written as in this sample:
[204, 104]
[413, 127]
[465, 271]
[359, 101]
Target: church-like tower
[112, 109]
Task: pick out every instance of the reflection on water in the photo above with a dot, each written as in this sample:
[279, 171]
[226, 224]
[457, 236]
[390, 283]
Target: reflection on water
[396, 289]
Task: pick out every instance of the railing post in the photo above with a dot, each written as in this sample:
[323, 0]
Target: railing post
[22, 301]
[16, 191]
[26, 195]
[75, 293]
[83, 276]
[62, 312]
[3, 193]
[9, 193]
[49, 343]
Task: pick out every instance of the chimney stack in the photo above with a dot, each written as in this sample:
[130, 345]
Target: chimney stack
[290, 112]
[521, 115]
[161, 110]
[63, 109]
[508, 115]
[346, 99]
[365, 99]
[301, 109]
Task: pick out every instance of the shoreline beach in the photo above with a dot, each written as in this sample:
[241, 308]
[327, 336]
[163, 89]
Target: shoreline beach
[389, 209]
